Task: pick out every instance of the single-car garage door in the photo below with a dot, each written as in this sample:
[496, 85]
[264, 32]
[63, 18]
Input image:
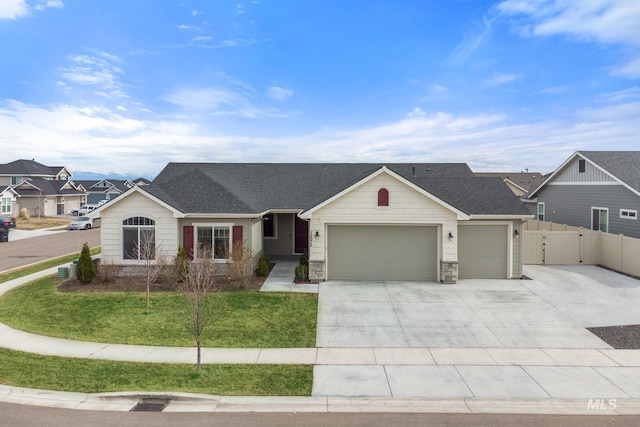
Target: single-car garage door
[482, 252]
[371, 252]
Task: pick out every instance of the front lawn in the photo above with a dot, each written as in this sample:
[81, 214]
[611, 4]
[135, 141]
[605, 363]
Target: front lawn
[246, 319]
[96, 376]
[38, 223]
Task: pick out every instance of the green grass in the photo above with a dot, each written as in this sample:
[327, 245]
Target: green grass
[95, 376]
[240, 318]
[43, 266]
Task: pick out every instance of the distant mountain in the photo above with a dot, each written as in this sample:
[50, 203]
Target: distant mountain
[87, 175]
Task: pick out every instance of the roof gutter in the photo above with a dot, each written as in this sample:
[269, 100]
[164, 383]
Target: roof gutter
[496, 216]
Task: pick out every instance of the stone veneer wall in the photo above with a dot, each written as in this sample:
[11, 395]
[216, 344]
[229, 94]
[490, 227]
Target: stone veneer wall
[316, 270]
[448, 271]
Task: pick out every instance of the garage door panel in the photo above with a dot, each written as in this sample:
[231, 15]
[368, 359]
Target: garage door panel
[482, 252]
[382, 252]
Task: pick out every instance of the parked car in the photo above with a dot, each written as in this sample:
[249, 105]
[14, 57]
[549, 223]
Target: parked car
[102, 202]
[82, 223]
[7, 223]
[83, 210]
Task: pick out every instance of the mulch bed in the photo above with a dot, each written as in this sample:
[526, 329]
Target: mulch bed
[626, 337]
[136, 284]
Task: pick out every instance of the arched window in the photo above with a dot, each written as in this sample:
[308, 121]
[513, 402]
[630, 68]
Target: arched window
[138, 238]
[383, 197]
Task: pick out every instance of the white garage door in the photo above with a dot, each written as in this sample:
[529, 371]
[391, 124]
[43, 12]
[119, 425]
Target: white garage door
[370, 252]
[482, 252]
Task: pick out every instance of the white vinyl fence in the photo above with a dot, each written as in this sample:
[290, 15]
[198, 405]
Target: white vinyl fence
[546, 243]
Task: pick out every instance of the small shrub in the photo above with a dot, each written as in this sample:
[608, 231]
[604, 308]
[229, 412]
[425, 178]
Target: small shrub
[181, 264]
[24, 213]
[86, 268]
[243, 263]
[263, 266]
[107, 272]
[302, 272]
[304, 259]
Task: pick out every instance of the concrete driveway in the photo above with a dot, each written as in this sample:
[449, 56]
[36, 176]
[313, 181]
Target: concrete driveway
[550, 311]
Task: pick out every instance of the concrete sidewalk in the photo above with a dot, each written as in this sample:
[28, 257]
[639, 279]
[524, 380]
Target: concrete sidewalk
[503, 380]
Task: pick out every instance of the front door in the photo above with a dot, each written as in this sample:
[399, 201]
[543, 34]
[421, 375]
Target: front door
[301, 243]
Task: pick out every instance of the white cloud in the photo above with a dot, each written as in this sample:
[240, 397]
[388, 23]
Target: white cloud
[600, 21]
[201, 38]
[98, 70]
[630, 69]
[278, 93]
[105, 140]
[13, 9]
[500, 79]
[470, 43]
[57, 4]
[219, 101]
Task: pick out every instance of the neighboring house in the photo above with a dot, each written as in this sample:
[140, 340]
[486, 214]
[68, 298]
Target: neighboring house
[518, 182]
[423, 222]
[106, 189]
[18, 171]
[599, 190]
[8, 202]
[46, 197]
[43, 190]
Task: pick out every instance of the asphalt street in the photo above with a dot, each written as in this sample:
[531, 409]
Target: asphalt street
[46, 245]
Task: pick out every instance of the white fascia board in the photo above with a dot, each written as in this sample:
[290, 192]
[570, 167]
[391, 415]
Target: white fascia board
[612, 176]
[514, 184]
[220, 215]
[493, 216]
[309, 213]
[555, 172]
[176, 213]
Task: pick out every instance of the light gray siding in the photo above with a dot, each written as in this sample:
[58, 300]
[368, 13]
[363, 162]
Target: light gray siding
[571, 204]
[359, 252]
[571, 173]
[482, 251]
[283, 243]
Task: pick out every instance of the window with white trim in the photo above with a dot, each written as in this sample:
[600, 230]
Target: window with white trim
[15, 180]
[628, 214]
[215, 239]
[540, 211]
[138, 238]
[5, 203]
[600, 219]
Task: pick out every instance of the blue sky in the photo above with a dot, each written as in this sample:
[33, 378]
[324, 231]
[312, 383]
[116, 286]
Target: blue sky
[120, 86]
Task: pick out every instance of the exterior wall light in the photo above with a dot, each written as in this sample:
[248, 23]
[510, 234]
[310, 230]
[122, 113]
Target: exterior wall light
[317, 235]
[516, 234]
[450, 237]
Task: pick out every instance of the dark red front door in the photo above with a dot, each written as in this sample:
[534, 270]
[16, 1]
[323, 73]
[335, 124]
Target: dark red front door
[301, 236]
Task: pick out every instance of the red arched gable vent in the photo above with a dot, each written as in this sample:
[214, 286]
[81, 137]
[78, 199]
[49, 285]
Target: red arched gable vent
[383, 197]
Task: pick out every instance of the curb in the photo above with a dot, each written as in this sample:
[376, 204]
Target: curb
[187, 402]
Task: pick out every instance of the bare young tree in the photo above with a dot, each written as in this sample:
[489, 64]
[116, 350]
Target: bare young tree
[200, 280]
[41, 199]
[151, 260]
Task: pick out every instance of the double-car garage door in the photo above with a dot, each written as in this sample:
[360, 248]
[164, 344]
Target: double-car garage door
[380, 252]
[372, 252]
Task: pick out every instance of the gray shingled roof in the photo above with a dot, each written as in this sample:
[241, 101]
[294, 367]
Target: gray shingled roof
[48, 187]
[526, 180]
[248, 188]
[624, 165]
[24, 167]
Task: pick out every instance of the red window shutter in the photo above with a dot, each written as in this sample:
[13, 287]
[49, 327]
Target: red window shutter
[237, 234]
[187, 240]
[383, 197]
